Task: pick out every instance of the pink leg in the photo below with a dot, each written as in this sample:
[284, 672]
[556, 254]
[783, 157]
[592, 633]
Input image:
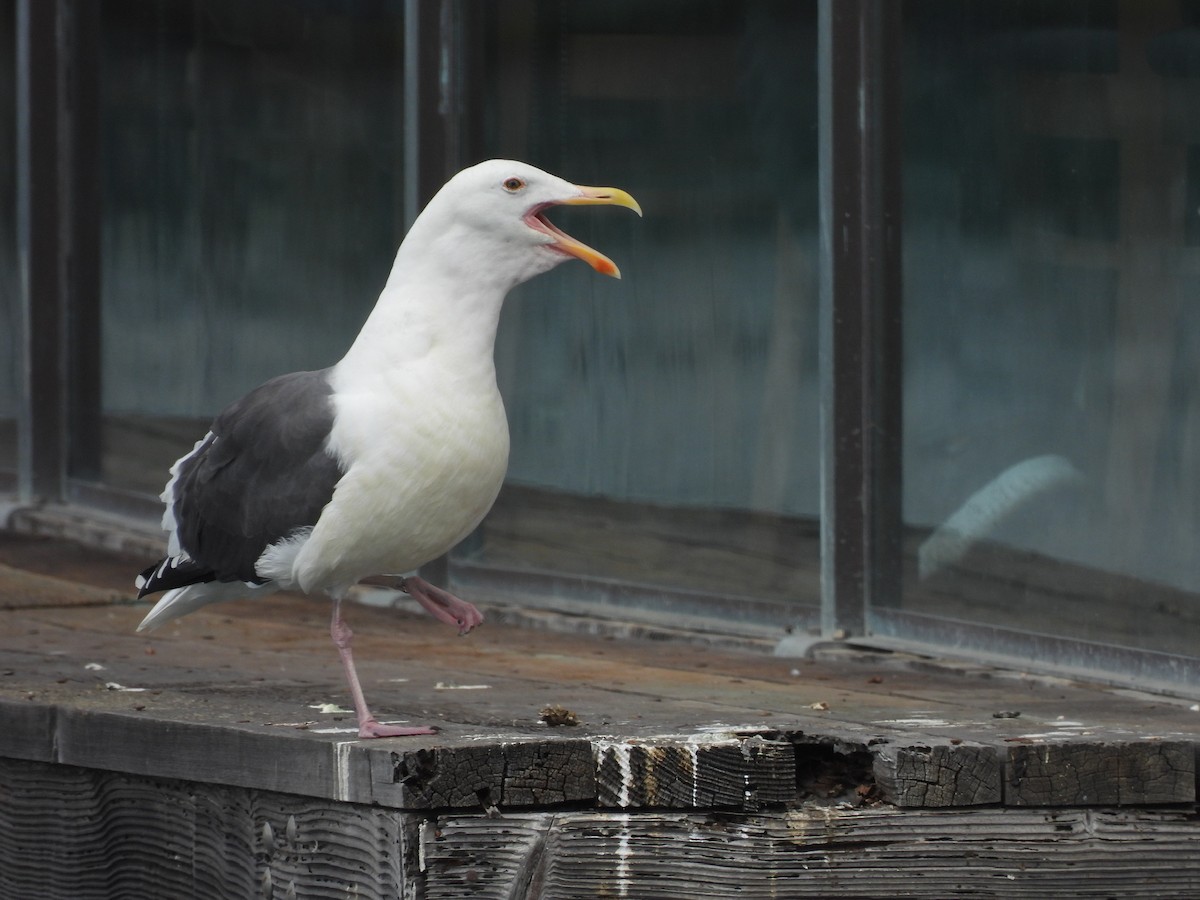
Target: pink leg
[368, 725]
[442, 605]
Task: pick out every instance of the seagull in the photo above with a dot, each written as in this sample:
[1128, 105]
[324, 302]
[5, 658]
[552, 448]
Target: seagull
[386, 460]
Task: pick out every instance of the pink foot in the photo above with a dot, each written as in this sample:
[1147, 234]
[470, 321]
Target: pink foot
[374, 729]
[442, 605]
[368, 725]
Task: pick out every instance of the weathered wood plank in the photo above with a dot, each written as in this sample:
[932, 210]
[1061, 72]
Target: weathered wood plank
[68, 833]
[488, 775]
[734, 773]
[288, 762]
[681, 772]
[505, 860]
[217, 690]
[1101, 773]
[815, 851]
[938, 774]
[28, 730]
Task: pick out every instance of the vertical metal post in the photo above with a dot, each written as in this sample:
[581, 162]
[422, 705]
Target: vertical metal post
[58, 237]
[860, 327]
[414, 76]
[41, 425]
[434, 121]
[433, 116]
[79, 104]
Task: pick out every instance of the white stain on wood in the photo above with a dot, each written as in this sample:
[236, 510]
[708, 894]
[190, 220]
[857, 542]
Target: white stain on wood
[619, 752]
[624, 853]
[341, 769]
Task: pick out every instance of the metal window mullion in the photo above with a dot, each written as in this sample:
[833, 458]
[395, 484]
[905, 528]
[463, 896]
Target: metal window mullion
[860, 330]
[433, 99]
[42, 415]
[435, 121]
[58, 228]
[80, 266]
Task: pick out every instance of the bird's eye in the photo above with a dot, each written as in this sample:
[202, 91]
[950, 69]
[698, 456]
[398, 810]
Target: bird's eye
[514, 184]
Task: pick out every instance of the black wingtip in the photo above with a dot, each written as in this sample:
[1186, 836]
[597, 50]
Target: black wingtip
[172, 572]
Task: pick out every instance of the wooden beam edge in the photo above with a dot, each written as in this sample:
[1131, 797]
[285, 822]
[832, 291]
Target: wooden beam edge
[742, 771]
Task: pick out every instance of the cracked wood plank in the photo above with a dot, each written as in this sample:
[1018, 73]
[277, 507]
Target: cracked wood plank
[491, 775]
[939, 774]
[1101, 773]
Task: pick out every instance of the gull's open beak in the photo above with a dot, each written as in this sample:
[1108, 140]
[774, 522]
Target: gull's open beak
[564, 243]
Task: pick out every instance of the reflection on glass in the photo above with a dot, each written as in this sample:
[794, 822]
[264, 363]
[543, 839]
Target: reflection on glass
[1052, 339]
[252, 159]
[664, 426]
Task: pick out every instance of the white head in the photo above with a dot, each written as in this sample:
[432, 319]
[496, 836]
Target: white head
[488, 223]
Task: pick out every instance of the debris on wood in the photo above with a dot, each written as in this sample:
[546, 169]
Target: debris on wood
[556, 715]
[868, 794]
[329, 709]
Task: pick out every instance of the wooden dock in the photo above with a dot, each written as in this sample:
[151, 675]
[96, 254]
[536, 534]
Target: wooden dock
[214, 759]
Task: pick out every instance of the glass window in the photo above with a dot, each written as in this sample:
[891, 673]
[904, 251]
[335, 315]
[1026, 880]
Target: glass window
[1052, 338]
[664, 427]
[252, 204]
[665, 439]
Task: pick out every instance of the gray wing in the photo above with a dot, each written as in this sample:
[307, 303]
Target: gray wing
[262, 473]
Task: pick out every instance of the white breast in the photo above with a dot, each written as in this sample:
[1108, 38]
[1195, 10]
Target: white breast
[426, 449]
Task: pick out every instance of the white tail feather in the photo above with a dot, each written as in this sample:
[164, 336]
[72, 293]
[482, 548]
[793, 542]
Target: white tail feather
[184, 600]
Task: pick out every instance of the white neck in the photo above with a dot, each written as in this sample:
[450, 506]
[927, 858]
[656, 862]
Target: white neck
[425, 309]
[444, 296]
